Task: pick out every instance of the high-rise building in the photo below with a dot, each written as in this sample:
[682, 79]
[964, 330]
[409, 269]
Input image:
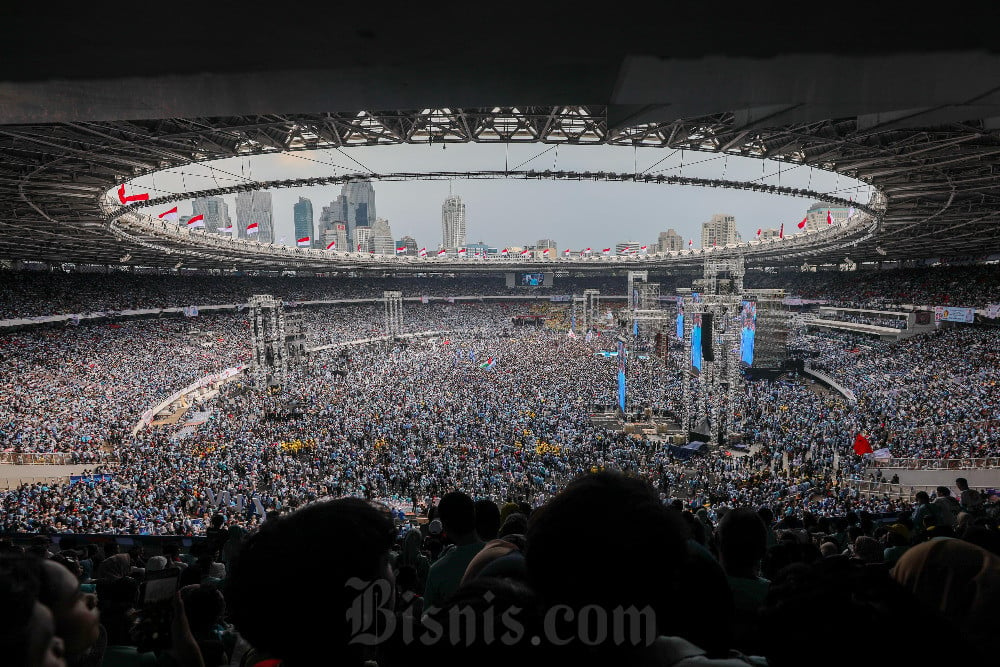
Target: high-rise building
[547, 244]
[357, 200]
[770, 233]
[255, 207]
[627, 248]
[720, 230]
[334, 231]
[382, 242]
[303, 215]
[669, 240]
[453, 222]
[215, 210]
[409, 243]
[816, 215]
[362, 239]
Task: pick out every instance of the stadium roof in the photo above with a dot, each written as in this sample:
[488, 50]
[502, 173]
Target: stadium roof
[96, 97]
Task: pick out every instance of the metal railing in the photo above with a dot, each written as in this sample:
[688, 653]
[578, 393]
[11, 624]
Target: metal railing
[940, 464]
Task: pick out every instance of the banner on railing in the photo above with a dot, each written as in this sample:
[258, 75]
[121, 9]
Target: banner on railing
[561, 298]
[88, 479]
[950, 314]
[993, 310]
[190, 311]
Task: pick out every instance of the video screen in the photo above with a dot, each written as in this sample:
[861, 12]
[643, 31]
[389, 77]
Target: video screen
[748, 331]
[680, 326]
[696, 343]
[531, 279]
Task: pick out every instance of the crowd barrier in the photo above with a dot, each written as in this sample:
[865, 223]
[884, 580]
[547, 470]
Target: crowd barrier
[16, 483]
[941, 464]
[901, 491]
[38, 458]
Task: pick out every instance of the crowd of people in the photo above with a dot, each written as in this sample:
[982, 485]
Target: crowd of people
[866, 318]
[603, 570]
[561, 513]
[34, 293]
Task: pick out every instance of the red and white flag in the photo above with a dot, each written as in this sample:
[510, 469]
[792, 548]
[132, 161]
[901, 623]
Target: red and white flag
[303, 242]
[861, 445]
[547, 251]
[525, 252]
[758, 233]
[332, 245]
[127, 200]
[196, 221]
[781, 232]
[252, 228]
[423, 252]
[226, 230]
[461, 252]
[359, 247]
[442, 252]
[606, 251]
[170, 215]
[802, 225]
[401, 250]
[504, 252]
[690, 242]
[829, 218]
[644, 249]
[566, 252]
[586, 251]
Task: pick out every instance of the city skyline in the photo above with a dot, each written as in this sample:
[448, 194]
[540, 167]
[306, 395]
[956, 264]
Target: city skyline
[506, 213]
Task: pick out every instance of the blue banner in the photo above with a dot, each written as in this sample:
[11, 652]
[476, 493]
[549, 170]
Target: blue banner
[696, 343]
[748, 331]
[85, 479]
[949, 314]
[621, 375]
[680, 326]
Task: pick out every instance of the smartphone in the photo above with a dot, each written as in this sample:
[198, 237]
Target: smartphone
[159, 586]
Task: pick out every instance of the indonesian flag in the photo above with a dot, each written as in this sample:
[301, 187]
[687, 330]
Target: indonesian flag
[332, 245]
[125, 200]
[196, 221]
[802, 225]
[525, 252]
[423, 252]
[359, 247]
[226, 230]
[547, 251]
[829, 218]
[303, 242]
[504, 252]
[861, 445]
[170, 215]
[252, 228]
[401, 249]
[566, 252]
[442, 252]
[461, 251]
[606, 251]
[690, 242]
[586, 251]
[643, 249]
[758, 233]
[713, 243]
[781, 232]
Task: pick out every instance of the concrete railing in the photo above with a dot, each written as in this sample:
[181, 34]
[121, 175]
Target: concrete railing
[941, 464]
[826, 379]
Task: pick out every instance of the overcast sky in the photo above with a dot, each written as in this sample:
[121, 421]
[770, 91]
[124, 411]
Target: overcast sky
[576, 214]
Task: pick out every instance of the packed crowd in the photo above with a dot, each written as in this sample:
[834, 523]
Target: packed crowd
[871, 319]
[605, 570]
[503, 408]
[963, 286]
[33, 293]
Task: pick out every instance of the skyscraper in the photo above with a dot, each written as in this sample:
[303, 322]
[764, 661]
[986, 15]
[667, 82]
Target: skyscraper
[382, 242]
[303, 214]
[719, 231]
[669, 240]
[816, 215]
[453, 222]
[255, 207]
[358, 205]
[215, 210]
